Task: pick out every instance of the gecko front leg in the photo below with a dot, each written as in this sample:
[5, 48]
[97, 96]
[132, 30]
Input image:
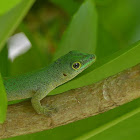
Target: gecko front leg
[35, 100]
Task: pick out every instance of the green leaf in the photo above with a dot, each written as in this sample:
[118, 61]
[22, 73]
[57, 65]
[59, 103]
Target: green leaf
[121, 19]
[10, 20]
[3, 101]
[106, 44]
[103, 68]
[82, 31]
[102, 128]
[7, 5]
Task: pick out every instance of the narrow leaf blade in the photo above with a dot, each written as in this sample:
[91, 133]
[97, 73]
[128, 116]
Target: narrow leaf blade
[3, 101]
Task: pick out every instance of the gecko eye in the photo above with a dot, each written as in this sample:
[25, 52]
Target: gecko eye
[76, 65]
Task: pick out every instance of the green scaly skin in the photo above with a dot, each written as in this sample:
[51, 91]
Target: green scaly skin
[36, 85]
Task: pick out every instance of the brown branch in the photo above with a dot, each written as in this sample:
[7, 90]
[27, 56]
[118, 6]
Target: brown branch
[74, 105]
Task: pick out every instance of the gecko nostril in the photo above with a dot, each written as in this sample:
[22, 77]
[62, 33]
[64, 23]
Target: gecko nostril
[93, 57]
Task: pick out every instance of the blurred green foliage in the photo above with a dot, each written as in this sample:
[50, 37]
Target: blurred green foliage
[107, 28]
[70, 6]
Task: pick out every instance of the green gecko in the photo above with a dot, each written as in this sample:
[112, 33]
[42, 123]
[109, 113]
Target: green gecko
[36, 85]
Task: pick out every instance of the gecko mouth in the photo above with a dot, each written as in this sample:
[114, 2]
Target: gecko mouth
[89, 61]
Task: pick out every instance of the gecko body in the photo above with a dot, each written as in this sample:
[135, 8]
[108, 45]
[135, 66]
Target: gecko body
[36, 85]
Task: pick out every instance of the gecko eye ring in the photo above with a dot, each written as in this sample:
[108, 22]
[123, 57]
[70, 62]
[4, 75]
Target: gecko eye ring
[76, 65]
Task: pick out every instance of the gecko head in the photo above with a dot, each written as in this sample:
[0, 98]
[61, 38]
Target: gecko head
[74, 63]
